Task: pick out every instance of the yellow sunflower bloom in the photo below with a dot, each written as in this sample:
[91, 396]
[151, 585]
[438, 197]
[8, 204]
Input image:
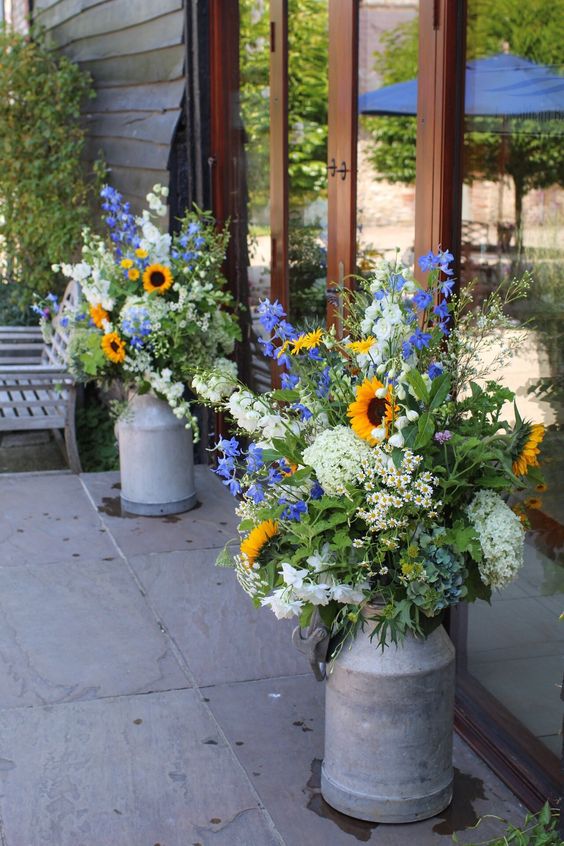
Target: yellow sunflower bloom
[141, 253]
[369, 412]
[133, 274]
[361, 347]
[256, 539]
[157, 277]
[126, 263]
[98, 315]
[114, 347]
[526, 451]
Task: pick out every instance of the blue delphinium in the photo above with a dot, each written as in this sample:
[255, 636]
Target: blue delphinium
[293, 510]
[136, 325]
[119, 219]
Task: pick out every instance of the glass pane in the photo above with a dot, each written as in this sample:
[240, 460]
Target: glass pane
[307, 159]
[254, 69]
[513, 212]
[388, 54]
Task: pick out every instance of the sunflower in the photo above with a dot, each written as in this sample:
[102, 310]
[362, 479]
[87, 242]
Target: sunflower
[157, 277]
[257, 538]
[133, 274]
[114, 347]
[98, 315]
[526, 447]
[361, 347]
[370, 412]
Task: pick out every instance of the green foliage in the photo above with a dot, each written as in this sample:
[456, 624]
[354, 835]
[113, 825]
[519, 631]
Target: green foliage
[96, 436]
[307, 95]
[307, 264]
[538, 830]
[44, 195]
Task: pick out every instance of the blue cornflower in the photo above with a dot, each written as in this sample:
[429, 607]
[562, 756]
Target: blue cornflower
[256, 493]
[305, 413]
[316, 491]
[420, 339]
[270, 314]
[254, 458]
[293, 510]
[323, 383]
[434, 371]
[267, 348]
[289, 381]
[423, 299]
[441, 310]
[229, 447]
[233, 485]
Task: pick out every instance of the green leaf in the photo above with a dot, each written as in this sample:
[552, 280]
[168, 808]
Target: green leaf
[439, 391]
[285, 395]
[225, 558]
[426, 429]
[416, 381]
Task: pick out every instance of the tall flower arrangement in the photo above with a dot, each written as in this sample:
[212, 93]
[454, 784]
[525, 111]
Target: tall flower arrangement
[379, 472]
[153, 308]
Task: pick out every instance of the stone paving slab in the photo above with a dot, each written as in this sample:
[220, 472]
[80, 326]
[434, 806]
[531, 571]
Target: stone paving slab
[79, 630]
[211, 524]
[130, 771]
[213, 622]
[276, 728]
[47, 518]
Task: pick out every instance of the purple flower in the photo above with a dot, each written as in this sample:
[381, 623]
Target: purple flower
[289, 381]
[316, 491]
[270, 313]
[254, 458]
[293, 510]
[434, 371]
[443, 437]
[420, 339]
[423, 299]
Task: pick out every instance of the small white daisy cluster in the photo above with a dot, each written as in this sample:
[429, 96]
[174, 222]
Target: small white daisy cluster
[314, 584]
[394, 493]
[501, 537]
[335, 456]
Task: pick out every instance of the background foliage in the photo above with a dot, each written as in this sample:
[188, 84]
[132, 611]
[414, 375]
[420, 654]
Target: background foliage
[44, 192]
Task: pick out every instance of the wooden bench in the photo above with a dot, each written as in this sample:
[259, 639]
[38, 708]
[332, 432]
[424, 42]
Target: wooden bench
[36, 389]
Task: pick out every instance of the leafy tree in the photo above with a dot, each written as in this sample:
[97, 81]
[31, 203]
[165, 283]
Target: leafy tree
[533, 159]
[43, 190]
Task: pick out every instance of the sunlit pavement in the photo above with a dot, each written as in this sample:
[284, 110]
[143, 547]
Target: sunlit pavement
[145, 701]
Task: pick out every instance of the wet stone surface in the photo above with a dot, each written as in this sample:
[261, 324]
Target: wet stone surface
[145, 702]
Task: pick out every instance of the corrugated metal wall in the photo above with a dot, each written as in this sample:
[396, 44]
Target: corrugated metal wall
[135, 51]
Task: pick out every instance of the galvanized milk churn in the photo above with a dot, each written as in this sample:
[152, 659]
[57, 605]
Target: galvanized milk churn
[388, 729]
[156, 459]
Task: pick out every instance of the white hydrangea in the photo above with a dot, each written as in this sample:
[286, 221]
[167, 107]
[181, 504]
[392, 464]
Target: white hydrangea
[501, 537]
[217, 384]
[335, 455]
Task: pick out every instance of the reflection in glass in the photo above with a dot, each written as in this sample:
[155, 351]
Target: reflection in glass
[388, 54]
[307, 158]
[513, 212]
[254, 70]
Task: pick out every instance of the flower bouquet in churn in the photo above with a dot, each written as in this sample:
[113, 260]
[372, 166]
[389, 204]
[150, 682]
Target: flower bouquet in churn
[374, 491]
[152, 309]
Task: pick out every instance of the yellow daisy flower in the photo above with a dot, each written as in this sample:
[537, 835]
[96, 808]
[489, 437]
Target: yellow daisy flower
[141, 253]
[98, 314]
[126, 263]
[361, 347]
[299, 344]
[257, 538]
[370, 412]
[157, 277]
[313, 339]
[114, 347]
[133, 274]
[526, 448]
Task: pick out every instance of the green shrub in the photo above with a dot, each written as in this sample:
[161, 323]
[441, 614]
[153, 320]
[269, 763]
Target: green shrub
[538, 830]
[44, 192]
[95, 434]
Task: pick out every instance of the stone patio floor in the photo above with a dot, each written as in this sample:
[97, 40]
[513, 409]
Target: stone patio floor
[145, 702]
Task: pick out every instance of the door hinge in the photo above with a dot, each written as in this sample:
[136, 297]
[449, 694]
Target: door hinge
[333, 169]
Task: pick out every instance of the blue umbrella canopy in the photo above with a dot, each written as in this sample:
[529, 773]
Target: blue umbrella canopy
[501, 85]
